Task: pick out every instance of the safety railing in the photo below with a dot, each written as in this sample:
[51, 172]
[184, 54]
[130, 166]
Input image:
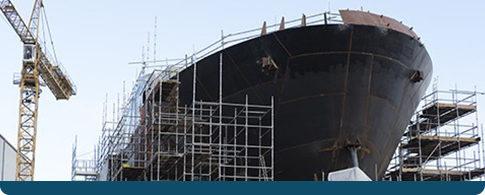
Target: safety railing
[231, 39]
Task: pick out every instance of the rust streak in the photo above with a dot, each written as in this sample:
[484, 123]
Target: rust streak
[305, 144]
[392, 105]
[253, 86]
[415, 57]
[411, 96]
[351, 52]
[283, 86]
[203, 88]
[402, 99]
[311, 96]
[345, 84]
[389, 58]
[319, 53]
[277, 39]
[245, 79]
[369, 85]
[375, 149]
[237, 68]
[322, 53]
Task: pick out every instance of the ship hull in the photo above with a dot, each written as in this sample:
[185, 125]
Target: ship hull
[333, 86]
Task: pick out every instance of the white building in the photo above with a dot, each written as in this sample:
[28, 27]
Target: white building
[8, 156]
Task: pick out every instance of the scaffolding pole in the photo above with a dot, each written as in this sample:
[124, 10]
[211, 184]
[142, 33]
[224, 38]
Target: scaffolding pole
[443, 141]
[155, 138]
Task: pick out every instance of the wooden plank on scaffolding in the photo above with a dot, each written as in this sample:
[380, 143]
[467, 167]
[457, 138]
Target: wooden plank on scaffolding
[439, 114]
[430, 143]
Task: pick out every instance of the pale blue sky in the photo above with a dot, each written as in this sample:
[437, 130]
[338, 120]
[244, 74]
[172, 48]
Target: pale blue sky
[95, 40]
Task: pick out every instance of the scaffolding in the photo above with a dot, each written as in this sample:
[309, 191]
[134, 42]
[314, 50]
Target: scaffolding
[82, 169]
[155, 138]
[152, 137]
[443, 141]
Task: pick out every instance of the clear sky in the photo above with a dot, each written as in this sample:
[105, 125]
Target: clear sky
[95, 41]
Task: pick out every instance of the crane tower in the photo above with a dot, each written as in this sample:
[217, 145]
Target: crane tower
[35, 64]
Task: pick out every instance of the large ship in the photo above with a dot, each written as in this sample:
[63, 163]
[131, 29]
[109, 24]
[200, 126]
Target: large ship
[344, 93]
[324, 101]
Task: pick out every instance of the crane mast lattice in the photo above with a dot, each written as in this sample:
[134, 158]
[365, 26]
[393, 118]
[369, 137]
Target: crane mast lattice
[35, 64]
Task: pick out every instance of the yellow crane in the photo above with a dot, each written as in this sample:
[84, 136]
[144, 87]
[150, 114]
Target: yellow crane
[35, 63]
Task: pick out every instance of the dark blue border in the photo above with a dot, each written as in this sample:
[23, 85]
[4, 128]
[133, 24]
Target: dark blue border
[246, 188]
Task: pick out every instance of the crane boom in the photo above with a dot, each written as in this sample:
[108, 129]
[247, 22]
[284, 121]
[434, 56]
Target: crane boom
[55, 78]
[15, 20]
[35, 63]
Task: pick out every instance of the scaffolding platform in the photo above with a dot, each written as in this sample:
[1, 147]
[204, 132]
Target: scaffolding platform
[430, 147]
[429, 144]
[442, 142]
[414, 174]
[439, 114]
[169, 90]
[129, 173]
[164, 160]
[154, 138]
[86, 173]
[171, 126]
[166, 88]
[82, 170]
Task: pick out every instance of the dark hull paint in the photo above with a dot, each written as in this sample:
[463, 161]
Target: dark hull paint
[335, 83]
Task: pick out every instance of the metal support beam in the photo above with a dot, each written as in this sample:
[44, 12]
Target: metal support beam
[29, 95]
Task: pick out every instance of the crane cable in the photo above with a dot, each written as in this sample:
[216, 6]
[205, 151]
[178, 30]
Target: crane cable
[43, 33]
[50, 36]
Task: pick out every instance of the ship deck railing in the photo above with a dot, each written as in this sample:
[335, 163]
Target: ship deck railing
[176, 65]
